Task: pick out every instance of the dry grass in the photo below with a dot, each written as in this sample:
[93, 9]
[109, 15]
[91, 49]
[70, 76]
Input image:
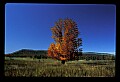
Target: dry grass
[53, 68]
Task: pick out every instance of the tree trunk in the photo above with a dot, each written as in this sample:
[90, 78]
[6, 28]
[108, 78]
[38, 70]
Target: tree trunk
[63, 61]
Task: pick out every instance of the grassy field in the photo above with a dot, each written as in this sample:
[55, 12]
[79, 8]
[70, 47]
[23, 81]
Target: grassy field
[28, 67]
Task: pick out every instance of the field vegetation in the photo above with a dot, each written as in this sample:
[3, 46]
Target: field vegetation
[32, 67]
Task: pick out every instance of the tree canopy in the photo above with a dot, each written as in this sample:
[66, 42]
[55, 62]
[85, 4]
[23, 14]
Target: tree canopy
[67, 44]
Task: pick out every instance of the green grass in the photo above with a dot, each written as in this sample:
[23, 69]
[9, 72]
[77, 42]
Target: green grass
[54, 68]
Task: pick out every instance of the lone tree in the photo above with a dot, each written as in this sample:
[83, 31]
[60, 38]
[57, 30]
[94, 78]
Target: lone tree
[67, 44]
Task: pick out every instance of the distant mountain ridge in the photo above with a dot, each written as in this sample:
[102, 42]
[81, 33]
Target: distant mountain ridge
[28, 53]
[27, 50]
[43, 54]
[98, 53]
[31, 51]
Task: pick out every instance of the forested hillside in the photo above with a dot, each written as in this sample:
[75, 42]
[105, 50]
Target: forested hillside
[43, 54]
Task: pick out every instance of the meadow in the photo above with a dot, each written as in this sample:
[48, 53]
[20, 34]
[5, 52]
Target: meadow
[29, 67]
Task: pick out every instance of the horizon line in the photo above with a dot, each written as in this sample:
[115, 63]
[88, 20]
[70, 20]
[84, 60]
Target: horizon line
[47, 49]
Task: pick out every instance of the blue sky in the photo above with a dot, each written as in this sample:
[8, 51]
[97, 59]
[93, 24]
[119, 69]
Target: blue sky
[28, 25]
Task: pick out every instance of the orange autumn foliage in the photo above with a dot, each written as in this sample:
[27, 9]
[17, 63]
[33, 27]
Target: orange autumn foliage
[65, 33]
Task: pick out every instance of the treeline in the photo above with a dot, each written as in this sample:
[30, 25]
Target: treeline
[43, 54]
[96, 57]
